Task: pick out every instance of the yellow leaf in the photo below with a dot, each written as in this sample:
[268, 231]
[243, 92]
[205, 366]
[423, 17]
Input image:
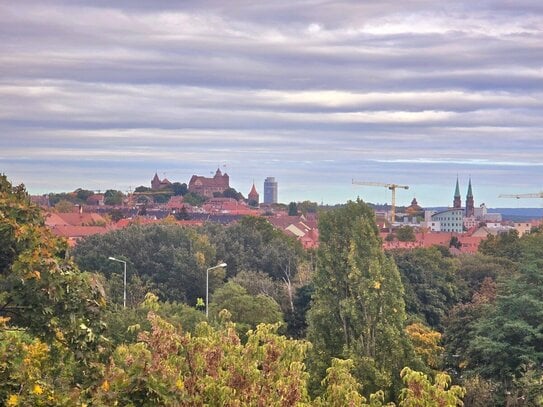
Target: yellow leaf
[59, 335]
[105, 385]
[377, 285]
[13, 400]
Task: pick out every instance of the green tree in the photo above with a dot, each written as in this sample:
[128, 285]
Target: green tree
[116, 215]
[532, 247]
[124, 324]
[503, 245]
[358, 311]
[292, 209]
[426, 344]
[41, 290]
[210, 367]
[161, 198]
[64, 206]
[246, 310]
[257, 282]
[254, 244]
[232, 193]
[83, 194]
[171, 258]
[193, 199]
[509, 335]
[479, 392]
[430, 283]
[461, 326]
[342, 389]
[31, 373]
[420, 391]
[405, 234]
[474, 269]
[179, 189]
[297, 319]
[455, 242]
[63, 196]
[306, 207]
[113, 197]
[182, 214]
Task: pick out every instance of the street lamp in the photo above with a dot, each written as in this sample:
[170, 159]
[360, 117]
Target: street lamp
[124, 290]
[207, 284]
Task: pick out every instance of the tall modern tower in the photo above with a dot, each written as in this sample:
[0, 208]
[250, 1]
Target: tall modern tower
[470, 207]
[270, 190]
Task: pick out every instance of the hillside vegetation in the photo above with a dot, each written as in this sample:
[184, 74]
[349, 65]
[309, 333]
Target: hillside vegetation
[344, 325]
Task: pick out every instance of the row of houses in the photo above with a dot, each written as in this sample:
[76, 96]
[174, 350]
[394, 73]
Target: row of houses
[80, 223]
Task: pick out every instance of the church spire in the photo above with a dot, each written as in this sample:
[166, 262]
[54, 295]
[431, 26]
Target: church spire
[470, 206]
[457, 203]
[253, 196]
[457, 190]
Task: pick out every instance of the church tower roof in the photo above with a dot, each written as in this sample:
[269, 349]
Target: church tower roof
[457, 190]
[253, 190]
[470, 206]
[253, 195]
[457, 202]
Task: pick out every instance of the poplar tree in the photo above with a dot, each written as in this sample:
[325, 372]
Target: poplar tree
[358, 311]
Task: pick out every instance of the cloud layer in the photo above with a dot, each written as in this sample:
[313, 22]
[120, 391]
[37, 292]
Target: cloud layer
[315, 93]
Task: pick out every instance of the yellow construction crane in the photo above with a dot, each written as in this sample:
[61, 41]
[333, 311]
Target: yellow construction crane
[519, 196]
[392, 187]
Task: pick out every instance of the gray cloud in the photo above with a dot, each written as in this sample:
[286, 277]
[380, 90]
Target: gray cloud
[314, 92]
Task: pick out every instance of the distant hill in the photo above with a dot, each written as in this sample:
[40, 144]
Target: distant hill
[518, 214]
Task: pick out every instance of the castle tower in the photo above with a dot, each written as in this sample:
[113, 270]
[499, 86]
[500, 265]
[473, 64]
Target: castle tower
[470, 207]
[253, 196]
[155, 182]
[457, 203]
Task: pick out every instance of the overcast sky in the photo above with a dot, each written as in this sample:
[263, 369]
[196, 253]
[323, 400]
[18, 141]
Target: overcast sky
[314, 93]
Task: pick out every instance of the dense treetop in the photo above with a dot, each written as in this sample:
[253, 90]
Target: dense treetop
[344, 325]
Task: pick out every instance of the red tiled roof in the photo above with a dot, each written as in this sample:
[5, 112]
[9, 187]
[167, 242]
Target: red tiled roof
[77, 231]
[122, 223]
[175, 202]
[202, 182]
[73, 219]
[253, 193]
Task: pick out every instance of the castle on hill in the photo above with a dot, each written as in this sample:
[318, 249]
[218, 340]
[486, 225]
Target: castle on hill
[157, 183]
[205, 186]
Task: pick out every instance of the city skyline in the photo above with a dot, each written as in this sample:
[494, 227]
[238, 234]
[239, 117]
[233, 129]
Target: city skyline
[313, 93]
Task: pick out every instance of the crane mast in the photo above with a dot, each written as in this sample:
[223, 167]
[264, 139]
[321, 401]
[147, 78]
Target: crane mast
[391, 187]
[520, 196]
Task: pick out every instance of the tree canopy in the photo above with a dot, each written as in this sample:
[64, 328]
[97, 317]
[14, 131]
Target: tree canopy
[41, 291]
[358, 311]
[171, 258]
[65, 340]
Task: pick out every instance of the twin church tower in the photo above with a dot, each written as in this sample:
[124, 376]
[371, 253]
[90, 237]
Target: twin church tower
[457, 203]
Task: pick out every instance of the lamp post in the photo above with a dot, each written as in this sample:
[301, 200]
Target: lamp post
[207, 284]
[124, 288]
